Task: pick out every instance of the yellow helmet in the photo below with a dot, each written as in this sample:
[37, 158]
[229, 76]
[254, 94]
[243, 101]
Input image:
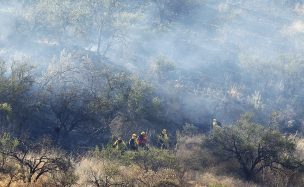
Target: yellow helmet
[143, 133]
[134, 135]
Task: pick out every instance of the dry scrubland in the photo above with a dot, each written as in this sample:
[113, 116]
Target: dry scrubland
[76, 74]
[97, 169]
[191, 162]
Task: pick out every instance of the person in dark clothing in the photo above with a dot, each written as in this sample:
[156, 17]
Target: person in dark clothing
[142, 140]
[133, 143]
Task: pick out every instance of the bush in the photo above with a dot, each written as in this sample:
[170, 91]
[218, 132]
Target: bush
[211, 180]
[152, 159]
[61, 178]
[101, 172]
[166, 184]
[29, 162]
[191, 153]
[255, 147]
[96, 172]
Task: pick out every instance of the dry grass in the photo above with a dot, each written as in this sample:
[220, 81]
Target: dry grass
[211, 180]
[300, 149]
[192, 155]
[93, 171]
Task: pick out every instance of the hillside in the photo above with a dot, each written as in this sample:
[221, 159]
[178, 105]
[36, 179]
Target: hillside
[222, 77]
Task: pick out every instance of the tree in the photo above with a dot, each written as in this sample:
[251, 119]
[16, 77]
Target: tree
[64, 101]
[162, 67]
[94, 23]
[67, 108]
[117, 91]
[16, 103]
[171, 10]
[38, 159]
[28, 161]
[253, 146]
[8, 169]
[21, 99]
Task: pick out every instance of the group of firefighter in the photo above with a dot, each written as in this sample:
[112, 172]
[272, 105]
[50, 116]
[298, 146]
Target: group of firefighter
[141, 142]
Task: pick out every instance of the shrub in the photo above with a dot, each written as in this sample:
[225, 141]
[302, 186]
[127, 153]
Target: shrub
[27, 161]
[96, 172]
[152, 159]
[211, 180]
[254, 147]
[192, 154]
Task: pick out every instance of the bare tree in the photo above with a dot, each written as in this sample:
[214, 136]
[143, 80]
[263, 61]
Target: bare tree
[38, 159]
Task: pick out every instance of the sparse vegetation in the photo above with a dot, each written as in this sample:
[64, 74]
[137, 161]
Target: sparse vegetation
[210, 93]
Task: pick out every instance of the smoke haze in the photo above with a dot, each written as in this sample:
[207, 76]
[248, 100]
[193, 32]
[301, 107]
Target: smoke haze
[229, 56]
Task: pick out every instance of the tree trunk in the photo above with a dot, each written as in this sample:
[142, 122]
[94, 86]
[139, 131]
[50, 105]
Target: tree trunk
[57, 131]
[63, 140]
[249, 174]
[29, 178]
[9, 182]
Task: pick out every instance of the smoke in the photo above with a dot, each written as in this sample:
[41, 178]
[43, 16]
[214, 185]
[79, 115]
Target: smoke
[217, 46]
[6, 22]
[227, 43]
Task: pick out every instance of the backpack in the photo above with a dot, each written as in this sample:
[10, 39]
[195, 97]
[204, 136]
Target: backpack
[132, 142]
[141, 140]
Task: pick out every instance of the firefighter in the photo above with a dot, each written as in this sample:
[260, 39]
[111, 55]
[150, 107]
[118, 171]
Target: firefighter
[142, 140]
[133, 145]
[215, 124]
[120, 145]
[163, 139]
